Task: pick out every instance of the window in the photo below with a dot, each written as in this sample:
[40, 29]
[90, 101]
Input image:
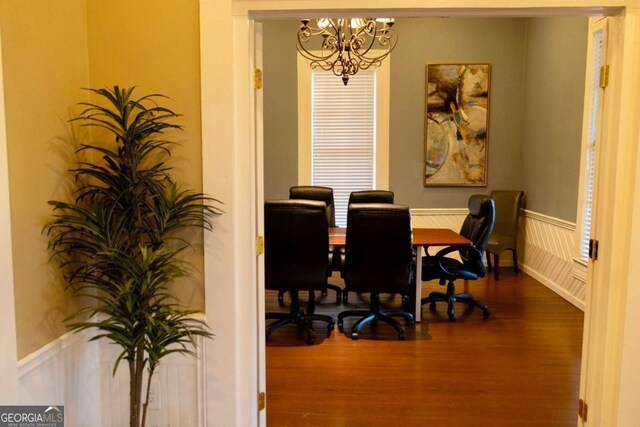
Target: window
[343, 133]
[591, 136]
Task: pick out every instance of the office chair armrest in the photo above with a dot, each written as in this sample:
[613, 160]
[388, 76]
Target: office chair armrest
[471, 252]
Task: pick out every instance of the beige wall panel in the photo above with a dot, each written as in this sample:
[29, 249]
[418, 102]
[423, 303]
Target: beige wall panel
[154, 45]
[45, 62]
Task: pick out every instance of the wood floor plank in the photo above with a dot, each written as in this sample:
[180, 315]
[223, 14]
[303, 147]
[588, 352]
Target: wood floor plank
[519, 367]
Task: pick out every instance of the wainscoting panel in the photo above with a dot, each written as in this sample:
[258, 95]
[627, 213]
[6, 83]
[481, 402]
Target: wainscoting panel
[438, 218]
[545, 248]
[64, 372]
[177, 390]
[73, 372]
[548, 255]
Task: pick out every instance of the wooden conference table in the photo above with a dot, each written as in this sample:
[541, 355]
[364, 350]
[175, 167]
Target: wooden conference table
[422, 238]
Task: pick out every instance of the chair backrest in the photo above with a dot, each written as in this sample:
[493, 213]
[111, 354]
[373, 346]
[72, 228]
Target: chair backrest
[479, 223]
[315, 192]
[371, 196]
[379, 254]
[296, 244]
[508, 205]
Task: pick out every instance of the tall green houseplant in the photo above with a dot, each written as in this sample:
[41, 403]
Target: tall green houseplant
[120, 240]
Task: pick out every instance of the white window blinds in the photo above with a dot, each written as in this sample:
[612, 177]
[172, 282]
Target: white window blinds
[592, 136]
[343, 133]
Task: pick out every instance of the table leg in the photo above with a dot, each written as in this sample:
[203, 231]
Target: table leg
[418, 291]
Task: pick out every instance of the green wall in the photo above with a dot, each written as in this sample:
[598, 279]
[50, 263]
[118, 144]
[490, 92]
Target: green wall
[280, 108]
[498, 42]
[556, 52]
[521, 53]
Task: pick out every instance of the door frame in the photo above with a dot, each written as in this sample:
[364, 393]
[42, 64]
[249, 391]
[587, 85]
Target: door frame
[233, 287]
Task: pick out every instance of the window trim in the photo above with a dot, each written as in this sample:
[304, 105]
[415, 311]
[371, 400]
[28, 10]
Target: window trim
[580, 265]
[382, 122]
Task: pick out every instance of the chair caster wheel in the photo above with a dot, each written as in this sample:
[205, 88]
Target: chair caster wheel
[401, 337]
[452, 317]
[345, 298]
[329, 329]
[340, 326]
[486, 313]
[354, 336]
[311, 341]
[338, 298]
[411, 322]
[280, 300]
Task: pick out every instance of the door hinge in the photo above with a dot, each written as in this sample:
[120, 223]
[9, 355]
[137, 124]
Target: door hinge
[582, 410]
[604, 76]
[593, 249]
[259, 245]
[257, 78]
[262, 401]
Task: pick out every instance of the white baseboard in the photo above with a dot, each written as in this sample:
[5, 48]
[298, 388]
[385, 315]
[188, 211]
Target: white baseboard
[555, 287]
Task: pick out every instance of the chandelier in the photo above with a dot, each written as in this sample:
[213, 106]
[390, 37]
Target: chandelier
[347, 45]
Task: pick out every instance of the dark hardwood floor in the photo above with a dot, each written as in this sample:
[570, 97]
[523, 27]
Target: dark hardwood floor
[519, 367]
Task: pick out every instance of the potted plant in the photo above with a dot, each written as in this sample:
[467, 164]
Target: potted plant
[120, 240]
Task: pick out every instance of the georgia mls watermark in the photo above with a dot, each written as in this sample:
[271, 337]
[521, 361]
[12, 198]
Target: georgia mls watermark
[32, 416]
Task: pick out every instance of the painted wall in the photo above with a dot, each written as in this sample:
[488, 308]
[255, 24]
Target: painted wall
[154, 45]
[556, 50]
[519, 63]
[45, 62]
[498, 42]
[9, 355]
[51, 51]
[280, 107]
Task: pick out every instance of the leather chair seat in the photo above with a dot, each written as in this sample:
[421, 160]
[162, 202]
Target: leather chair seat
[456, 269]
[500, 242]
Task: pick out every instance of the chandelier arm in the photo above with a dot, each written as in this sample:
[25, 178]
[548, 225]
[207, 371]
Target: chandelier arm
[346, 45]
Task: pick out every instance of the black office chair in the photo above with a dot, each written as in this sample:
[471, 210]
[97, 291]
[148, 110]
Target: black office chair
[379, 259]
[325, 194]
[316, 192]
[296, 241]
[371, 196]
[477, 227]
[365, 196]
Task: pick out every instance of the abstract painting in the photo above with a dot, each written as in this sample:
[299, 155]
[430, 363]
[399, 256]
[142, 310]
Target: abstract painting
[456, 124]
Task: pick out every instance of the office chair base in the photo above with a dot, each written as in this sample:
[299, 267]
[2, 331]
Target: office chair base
[303, 322]
[335, 288]
[372, 316]
[450, 297]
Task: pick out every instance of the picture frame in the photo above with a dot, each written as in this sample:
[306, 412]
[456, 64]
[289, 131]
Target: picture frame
[456, 124]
